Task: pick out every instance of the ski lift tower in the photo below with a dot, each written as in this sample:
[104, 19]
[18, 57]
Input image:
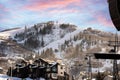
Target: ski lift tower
[115, 44]
[112, 55]
[114, 9]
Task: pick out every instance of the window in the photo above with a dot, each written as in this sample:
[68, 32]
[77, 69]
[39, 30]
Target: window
[48, 69]
[43, 64]
[54, 69]
[54, 75]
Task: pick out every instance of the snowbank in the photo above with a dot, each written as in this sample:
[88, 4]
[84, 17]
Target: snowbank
[5, 77]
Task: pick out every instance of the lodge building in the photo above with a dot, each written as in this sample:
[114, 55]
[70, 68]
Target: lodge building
[40, 68]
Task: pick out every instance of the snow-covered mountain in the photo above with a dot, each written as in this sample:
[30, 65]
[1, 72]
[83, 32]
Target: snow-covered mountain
[56, 36]
[53, 40]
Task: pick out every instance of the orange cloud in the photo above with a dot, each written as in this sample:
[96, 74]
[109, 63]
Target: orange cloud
[37, 6]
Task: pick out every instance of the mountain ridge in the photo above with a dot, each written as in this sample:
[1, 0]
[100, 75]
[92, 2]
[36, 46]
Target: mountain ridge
[43, 36]
[53, 41]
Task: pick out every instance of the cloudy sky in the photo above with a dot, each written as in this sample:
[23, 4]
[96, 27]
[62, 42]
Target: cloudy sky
[83, 13]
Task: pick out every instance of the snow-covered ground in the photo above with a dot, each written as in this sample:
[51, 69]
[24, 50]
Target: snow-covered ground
[11, 33]
[53, 41]
[5, 77]
[107, 64]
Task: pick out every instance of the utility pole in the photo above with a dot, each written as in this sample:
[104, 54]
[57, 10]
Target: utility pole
[114, 56]
[116, 45]
[90, 68]
[88, 57]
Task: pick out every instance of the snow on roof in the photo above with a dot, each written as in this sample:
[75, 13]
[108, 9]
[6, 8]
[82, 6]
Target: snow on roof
[60, 62]
[108, 77]
[1, 68]
[118, 52]
[48, 61]
[53, 64]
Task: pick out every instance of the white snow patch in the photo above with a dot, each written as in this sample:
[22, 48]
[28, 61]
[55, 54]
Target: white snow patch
[55, 45]
[11, 33]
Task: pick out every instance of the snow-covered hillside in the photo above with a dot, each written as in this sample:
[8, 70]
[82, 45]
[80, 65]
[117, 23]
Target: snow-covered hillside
[10, 33]
[53, 40]
[57, 36]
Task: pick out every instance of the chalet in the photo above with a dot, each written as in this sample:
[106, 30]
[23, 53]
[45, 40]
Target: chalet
[50, 69]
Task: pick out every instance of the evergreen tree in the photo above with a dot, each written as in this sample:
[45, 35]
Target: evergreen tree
[42, 42]
[16, 35]
[35, 27]
[75, 38]
[25, 29]
[25, 32]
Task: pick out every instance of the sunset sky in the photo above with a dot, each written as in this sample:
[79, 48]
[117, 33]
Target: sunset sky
[83, 13]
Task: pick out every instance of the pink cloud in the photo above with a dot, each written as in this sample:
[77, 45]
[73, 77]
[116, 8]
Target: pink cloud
[3, 10]
[1, 7]
[37, 6]
[104, 20]
[63, 11]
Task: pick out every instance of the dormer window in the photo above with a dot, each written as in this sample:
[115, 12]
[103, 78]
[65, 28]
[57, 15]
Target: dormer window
[54, 69]
[43, 64]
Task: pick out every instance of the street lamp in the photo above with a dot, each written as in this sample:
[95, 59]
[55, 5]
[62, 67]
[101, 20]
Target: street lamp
[11, 62]
[33, 56]
[32, 66]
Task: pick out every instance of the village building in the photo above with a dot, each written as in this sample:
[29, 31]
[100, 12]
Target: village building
[40, 68]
